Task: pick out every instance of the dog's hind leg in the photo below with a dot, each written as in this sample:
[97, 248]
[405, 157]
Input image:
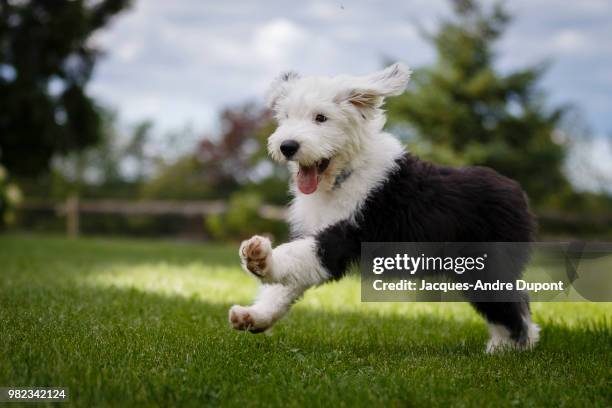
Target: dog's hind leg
[510, 325]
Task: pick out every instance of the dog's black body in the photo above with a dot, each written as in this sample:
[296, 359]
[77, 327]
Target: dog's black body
[423, 202]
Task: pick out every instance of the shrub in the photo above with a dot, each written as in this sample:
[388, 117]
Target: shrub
[10, 198]
[242, 220]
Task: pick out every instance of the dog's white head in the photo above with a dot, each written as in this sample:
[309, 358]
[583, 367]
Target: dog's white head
[323, 123]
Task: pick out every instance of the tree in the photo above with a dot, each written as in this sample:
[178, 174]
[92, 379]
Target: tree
[235, 158]
[136, 152]
[46, 61]
[461, 110]
[229, 158]
[118, 165]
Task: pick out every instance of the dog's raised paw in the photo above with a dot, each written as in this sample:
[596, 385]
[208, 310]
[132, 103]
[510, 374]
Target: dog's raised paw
[256, 255]
[241, 318]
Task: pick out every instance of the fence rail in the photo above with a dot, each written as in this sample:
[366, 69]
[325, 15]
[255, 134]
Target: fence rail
[73, 207]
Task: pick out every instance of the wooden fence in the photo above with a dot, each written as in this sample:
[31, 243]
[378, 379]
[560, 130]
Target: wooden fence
[73, 207]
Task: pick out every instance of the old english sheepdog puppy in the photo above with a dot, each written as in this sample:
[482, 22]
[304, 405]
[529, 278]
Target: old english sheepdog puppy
[355, 183]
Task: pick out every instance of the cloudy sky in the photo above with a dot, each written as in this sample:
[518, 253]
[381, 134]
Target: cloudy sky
[179, 62]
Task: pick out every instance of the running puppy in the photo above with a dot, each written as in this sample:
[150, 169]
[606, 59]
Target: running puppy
[354, 183]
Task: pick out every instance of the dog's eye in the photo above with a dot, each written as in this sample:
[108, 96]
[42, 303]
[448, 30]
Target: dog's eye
[320, 118]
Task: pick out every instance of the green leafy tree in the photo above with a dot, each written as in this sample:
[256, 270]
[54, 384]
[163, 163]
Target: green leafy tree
[136, 151]
[116, 166]
[233, 166]
[461, 110]
[46, 61]
[234, 159]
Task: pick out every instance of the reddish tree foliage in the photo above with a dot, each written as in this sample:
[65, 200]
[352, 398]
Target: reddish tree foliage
[230, 157]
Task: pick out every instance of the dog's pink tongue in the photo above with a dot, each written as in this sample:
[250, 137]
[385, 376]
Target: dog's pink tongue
[307, 179]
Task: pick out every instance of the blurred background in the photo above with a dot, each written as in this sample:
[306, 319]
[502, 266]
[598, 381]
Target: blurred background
[146, 118]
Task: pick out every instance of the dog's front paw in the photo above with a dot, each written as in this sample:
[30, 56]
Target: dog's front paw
[256, 256]
[245, 318]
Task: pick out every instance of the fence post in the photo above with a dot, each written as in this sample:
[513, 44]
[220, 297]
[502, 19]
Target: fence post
[72, 216]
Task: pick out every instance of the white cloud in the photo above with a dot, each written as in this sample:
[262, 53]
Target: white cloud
[275, 41]
[589, 166]
[324, 10]
[570, 41]
[179, 62]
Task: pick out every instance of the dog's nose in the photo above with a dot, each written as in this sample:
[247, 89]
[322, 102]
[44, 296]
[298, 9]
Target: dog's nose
[289, 148]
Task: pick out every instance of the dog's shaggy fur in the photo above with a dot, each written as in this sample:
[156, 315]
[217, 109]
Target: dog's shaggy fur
[354, 183]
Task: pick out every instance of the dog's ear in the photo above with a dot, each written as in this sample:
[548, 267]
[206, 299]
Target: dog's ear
[369, 91]
[279, 88]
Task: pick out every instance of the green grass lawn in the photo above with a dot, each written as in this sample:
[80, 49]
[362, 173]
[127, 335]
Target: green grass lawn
[139, 322]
